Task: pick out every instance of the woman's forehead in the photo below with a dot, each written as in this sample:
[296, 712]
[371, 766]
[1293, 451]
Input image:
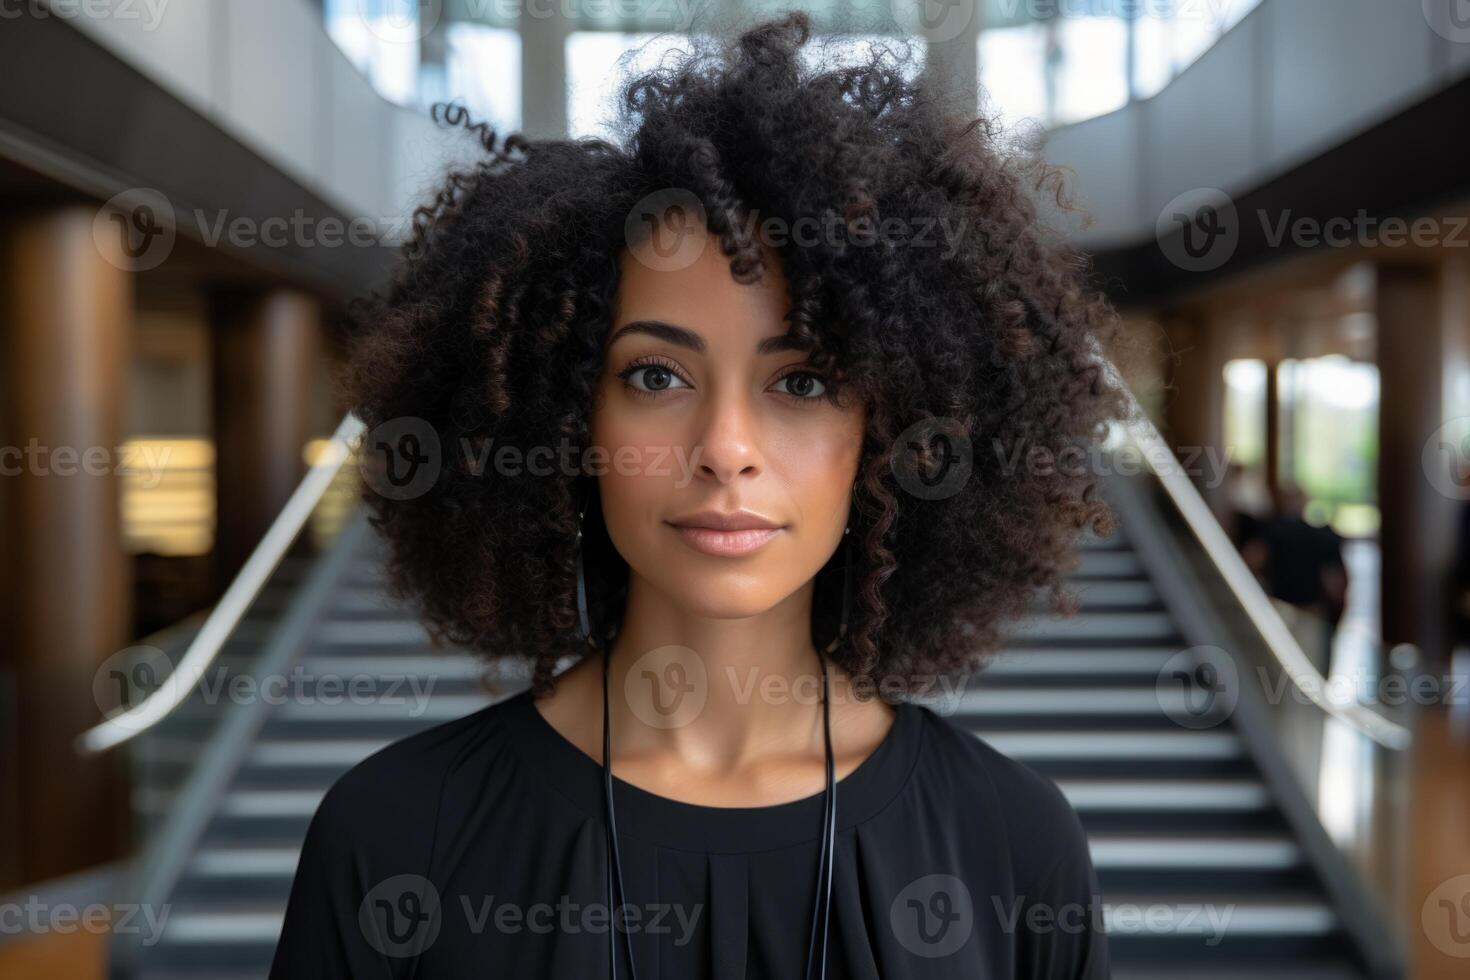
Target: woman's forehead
[701, 295]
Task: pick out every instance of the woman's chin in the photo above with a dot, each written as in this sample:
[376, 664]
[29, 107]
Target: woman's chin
[725, 596]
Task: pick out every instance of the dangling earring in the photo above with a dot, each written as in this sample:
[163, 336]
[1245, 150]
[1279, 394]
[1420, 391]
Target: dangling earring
[846, 589]
[583, 619]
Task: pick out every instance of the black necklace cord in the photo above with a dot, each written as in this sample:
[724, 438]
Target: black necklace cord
[829, 819]
[821, 861]
[831, 836]
[616, 862]
[822, 900]
[822, 906]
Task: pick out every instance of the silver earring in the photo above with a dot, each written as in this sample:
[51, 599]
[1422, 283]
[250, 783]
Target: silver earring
[583, 619]
[846, 590]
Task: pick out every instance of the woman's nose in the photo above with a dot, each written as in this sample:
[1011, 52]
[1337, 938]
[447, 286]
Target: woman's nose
[728, 439]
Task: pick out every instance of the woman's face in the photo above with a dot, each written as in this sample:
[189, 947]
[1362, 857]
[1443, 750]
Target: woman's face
[700, 414]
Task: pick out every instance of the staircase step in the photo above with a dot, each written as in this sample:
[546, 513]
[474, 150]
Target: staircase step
[437, 708]
[1197, 852]
[1069, 701]
[1108, 563]
[1134, 746]
[1134, 659]
[1093, 626]
[371, 633]
[1186, 795]
[1305, 915]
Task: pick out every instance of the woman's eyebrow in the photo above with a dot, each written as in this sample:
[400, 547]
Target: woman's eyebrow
[663, 331]
[685, 337]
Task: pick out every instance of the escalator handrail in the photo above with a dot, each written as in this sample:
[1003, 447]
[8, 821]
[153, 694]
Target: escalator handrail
[232, 606]
[1196, 514]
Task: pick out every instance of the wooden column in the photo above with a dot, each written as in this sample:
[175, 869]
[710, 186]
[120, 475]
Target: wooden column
[65, 308]
[267, 365]
[951, 65]
[1195, 406]
[1273, 433]
[544, 76]
[1421, 351]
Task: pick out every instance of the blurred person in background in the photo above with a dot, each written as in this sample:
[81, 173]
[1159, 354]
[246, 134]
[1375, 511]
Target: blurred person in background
[1301, 567]
[1247, 501]
[1458, 582]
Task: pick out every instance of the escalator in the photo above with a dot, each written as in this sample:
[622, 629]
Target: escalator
[1212, 860]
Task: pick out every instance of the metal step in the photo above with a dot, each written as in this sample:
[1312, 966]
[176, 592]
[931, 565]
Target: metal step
[1134, 746]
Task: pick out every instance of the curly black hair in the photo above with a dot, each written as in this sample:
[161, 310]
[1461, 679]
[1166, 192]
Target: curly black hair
[982, 363]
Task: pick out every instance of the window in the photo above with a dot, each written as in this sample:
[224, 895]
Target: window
[168, 495]
[596, 62]
[383, 44]
[1245, 412]
[1013, 74]
[1329, 438]
[482, 68]
[416, 62]
[1073, 61]
[1091, 67]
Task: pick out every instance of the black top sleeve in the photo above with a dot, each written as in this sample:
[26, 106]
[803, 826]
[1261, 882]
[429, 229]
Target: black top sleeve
[1056, 917]
[1060, 927]
[360, 904]
[318, 936]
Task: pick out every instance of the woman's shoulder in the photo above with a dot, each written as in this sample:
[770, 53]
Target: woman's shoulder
[1038, 820]
[401, 786]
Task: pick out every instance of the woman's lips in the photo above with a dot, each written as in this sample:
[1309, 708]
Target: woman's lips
[726, 544]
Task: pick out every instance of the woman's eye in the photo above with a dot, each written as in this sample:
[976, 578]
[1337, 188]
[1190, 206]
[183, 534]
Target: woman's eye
[803, 384]
[655, 377]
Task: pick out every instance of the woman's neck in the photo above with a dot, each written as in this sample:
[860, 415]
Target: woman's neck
[725, 712]
[718, 694]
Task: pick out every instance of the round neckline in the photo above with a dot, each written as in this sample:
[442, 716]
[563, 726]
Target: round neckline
[668, 822]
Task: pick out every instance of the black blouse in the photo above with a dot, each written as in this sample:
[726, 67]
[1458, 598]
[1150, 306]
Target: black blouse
[476, 849]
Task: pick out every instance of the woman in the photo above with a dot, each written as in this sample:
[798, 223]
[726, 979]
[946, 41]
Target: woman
[762, 427]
